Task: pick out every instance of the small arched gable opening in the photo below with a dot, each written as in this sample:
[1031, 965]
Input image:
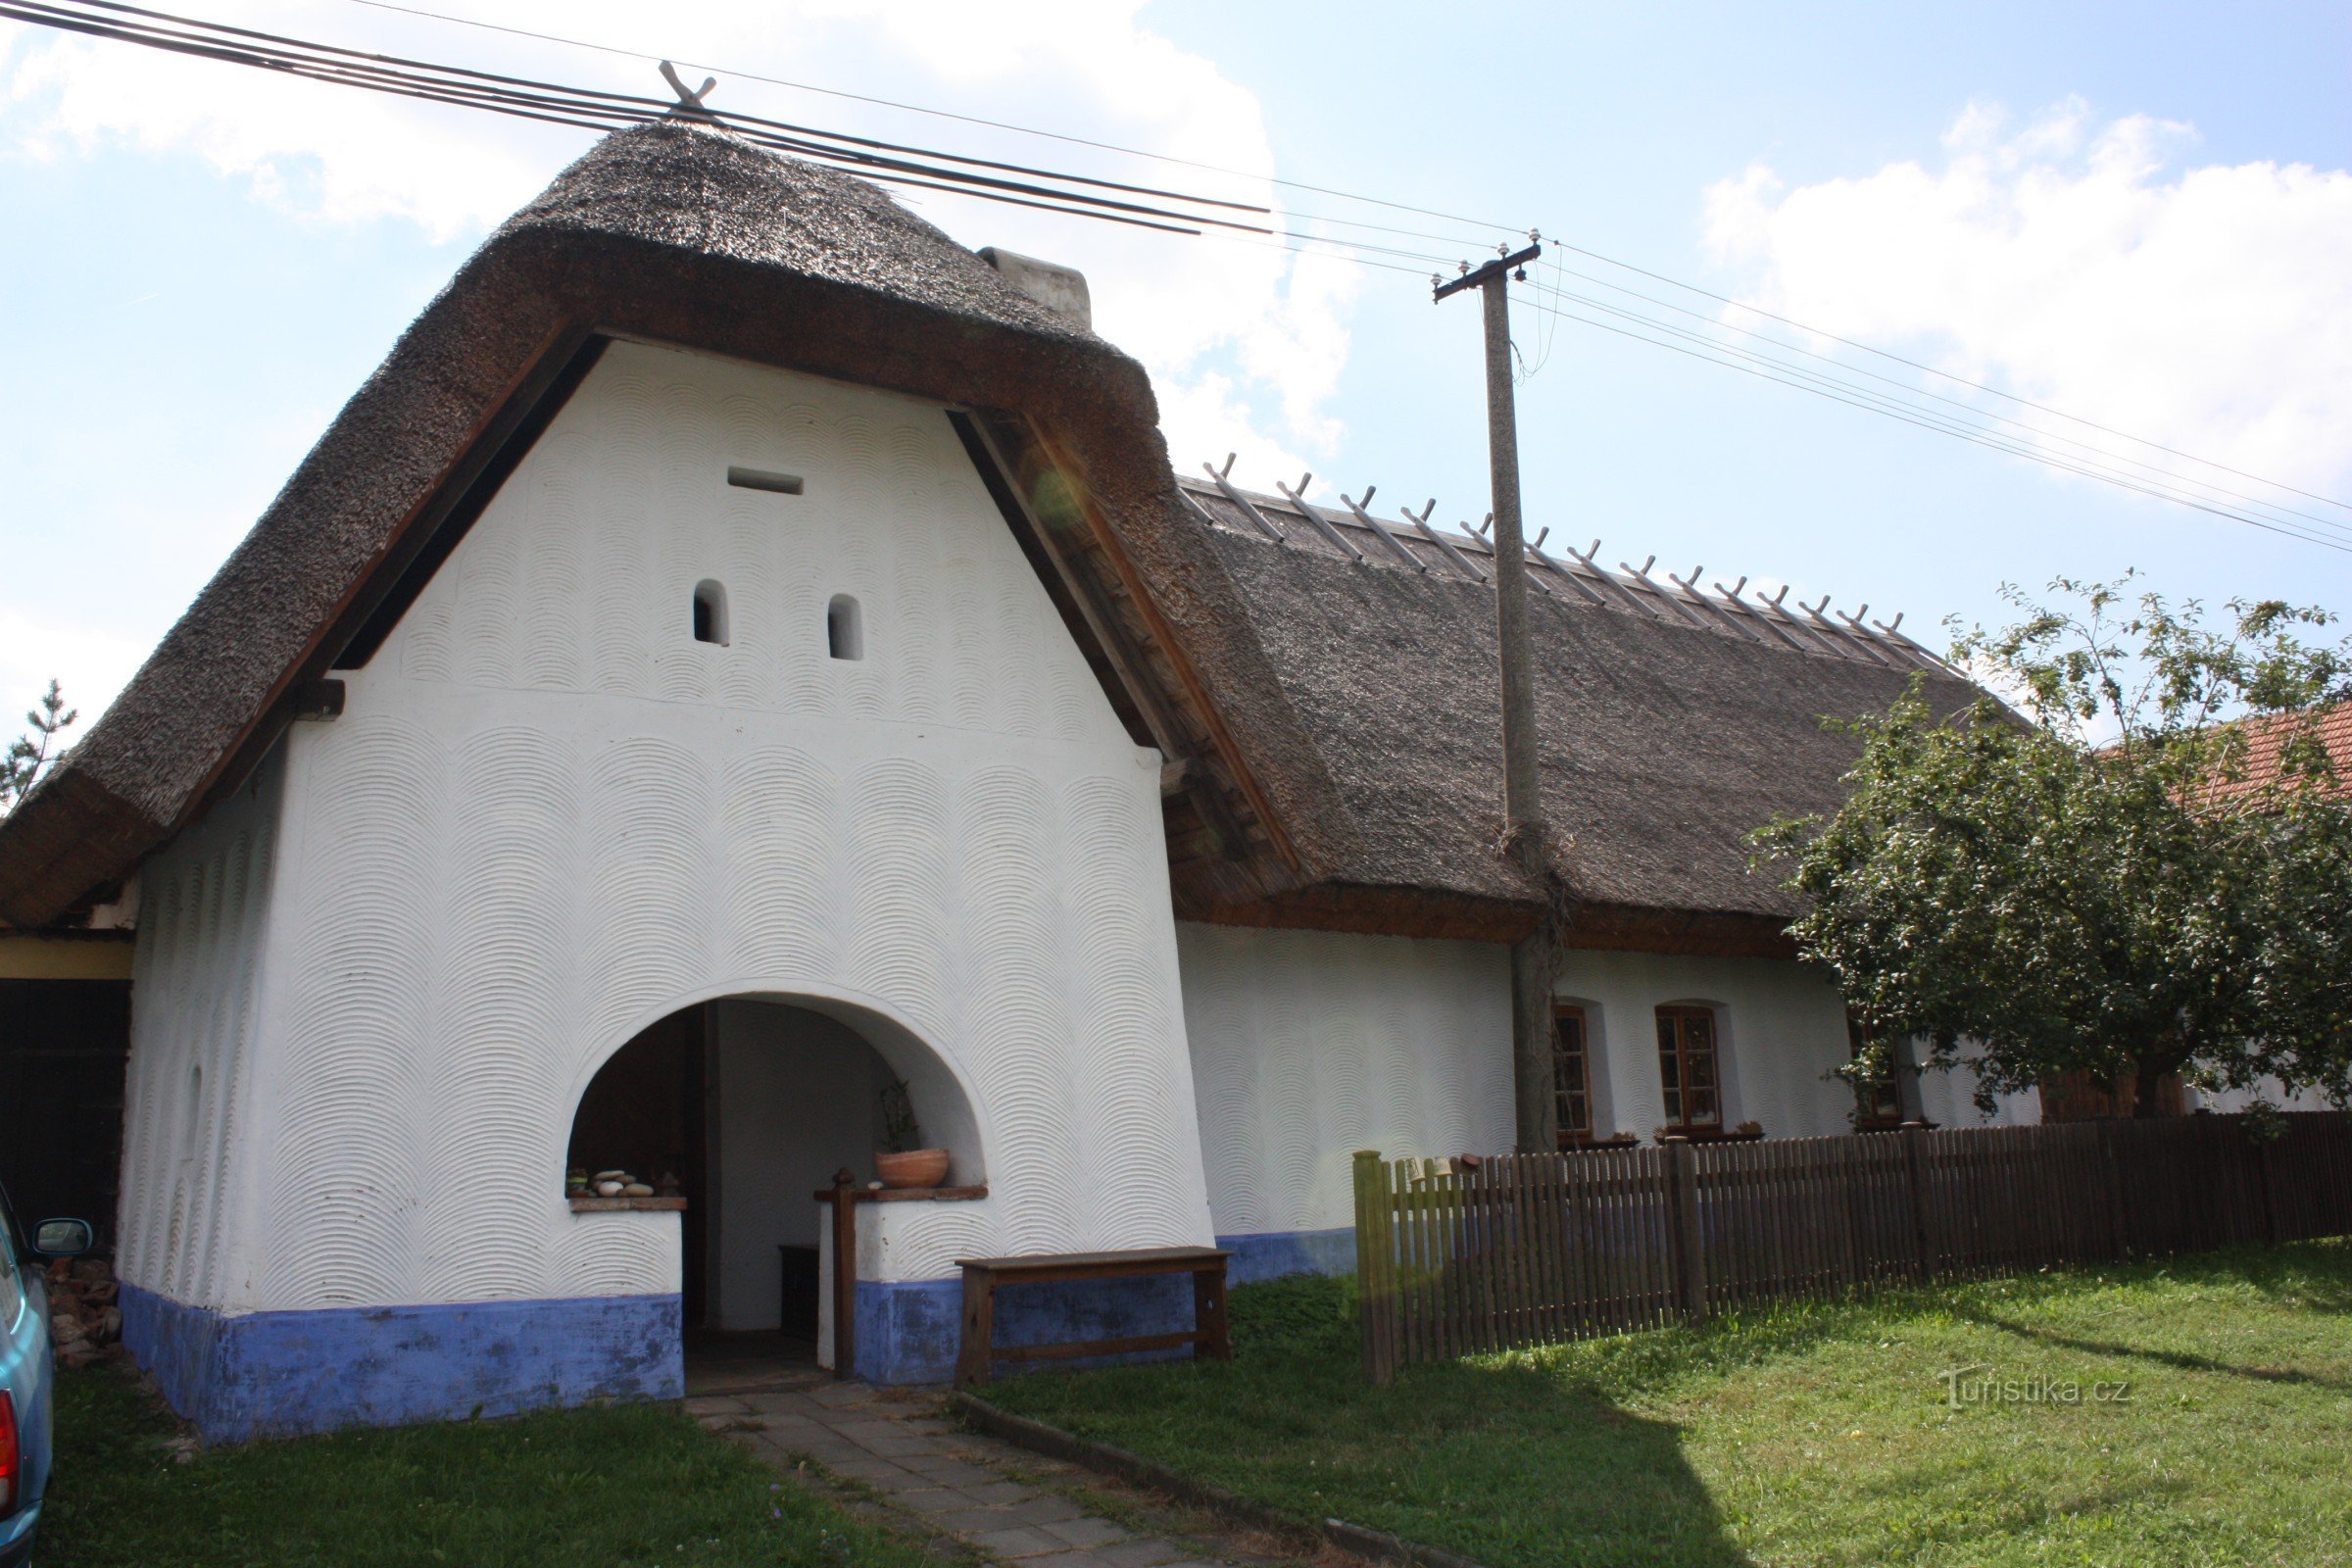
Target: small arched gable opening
[744, 1107]
[710, 613]
[844, 629]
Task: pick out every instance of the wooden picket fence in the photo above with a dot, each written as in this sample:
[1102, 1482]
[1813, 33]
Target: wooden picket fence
[1456, 1257]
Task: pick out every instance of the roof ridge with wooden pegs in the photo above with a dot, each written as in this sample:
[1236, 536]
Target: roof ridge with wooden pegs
[1415, 542]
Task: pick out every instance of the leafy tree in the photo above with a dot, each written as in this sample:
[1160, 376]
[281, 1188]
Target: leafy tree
[30, 753]
[2142, 868]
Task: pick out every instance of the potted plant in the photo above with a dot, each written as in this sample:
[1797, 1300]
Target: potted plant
[906, 1164]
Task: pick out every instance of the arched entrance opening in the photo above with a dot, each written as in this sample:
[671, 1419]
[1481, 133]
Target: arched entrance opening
[745, 1106]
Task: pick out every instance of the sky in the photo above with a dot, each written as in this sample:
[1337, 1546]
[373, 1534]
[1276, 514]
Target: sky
[2140, 215]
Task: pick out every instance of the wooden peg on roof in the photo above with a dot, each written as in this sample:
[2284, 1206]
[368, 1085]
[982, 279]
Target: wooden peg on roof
[1242, 501]
[1380, 529]
[1535, 551]
[1461, 563]
[1628, 597]
[1680, 611]
[690, 105]
[1322, 524]
[1758, 612]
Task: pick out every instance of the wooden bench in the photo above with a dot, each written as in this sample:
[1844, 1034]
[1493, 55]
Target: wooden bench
[975, 1362]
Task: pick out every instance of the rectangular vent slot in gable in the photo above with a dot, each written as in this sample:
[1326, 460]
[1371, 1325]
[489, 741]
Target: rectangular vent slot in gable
[783, 484]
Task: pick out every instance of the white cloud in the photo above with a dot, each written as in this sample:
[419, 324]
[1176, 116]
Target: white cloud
[1244, 343]
[344, 156]
[2091, 266]
[36, 648]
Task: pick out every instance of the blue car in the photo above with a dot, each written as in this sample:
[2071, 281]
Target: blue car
[25, 1373]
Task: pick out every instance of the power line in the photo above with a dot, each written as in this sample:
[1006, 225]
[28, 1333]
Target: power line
[1786, 320]
[2208, 488]
[1864, 401]
[944, 114]
[600, 109]
[1877, 403]
[2037, 431]
[1168, 211]
[595, 109]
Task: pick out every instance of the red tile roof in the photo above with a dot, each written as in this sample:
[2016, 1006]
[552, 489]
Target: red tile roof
[2265, 741]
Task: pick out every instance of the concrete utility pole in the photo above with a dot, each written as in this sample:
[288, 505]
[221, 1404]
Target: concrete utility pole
[1521, 784]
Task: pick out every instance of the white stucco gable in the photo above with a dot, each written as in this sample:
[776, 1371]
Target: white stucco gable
[549, 815]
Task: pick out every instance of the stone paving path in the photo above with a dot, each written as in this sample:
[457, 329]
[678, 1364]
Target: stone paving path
[900, 1445]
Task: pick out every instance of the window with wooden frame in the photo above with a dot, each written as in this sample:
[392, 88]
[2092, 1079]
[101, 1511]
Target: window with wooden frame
[1879, 1101]
[1571, 1076]
[2083, 1095]
[1687, 1069]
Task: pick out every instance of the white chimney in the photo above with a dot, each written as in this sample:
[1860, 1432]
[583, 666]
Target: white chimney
[1060, 289]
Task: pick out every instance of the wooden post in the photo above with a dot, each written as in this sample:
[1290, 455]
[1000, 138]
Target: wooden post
[1915, 1167]
[1375, 1270]
[1534, 963]
[1532, 958]
[975, 1357]
[1853, 1171]
[2265, 1178]
[845, 1274]
[2111, 1169]
[1690, 1250]
[1210, 1319]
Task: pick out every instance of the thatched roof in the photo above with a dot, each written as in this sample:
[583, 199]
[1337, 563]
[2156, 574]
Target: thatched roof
[1336, 718]
[662, 232]
[1672, 722]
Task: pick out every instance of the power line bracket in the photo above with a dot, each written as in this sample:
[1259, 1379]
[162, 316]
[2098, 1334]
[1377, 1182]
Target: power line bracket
[1477, 277]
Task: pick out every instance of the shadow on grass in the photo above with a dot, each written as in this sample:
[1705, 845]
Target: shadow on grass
[2307, 1276]
[1552, 1456]
[1509, 1460]
[2177, 1360]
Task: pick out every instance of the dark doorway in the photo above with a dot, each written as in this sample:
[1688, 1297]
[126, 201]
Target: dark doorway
[644, 1113]
[63, 1047]
[753, 1103]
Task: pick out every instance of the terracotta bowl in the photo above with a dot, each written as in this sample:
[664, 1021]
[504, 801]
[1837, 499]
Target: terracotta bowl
[917, 1167]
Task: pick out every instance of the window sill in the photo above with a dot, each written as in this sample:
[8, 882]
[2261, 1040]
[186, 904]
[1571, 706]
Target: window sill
[1573, 1144]
[616, 1206]
[1711, 1135]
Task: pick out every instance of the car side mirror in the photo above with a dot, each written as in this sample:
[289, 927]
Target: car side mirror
[62, 1238]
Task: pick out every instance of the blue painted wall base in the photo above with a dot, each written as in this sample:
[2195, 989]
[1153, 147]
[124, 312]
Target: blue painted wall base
[272, 1374]
[286, 1373]
[909, 1330]
[1276, 1255]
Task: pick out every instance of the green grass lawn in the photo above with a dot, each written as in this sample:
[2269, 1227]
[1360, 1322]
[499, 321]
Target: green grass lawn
[638, 1484]
[1816, 1434]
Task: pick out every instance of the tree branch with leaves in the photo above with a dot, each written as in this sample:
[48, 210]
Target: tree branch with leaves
[33, 753]
[2107, 874]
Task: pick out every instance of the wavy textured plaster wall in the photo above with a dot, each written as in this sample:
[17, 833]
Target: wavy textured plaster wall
[195, 984]
[550, 816]
[1308, 1046]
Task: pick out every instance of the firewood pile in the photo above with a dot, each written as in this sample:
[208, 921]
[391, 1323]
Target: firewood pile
[84, 1322]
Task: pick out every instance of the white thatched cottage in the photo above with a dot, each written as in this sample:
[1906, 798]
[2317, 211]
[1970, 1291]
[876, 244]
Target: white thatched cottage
[739, 650]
